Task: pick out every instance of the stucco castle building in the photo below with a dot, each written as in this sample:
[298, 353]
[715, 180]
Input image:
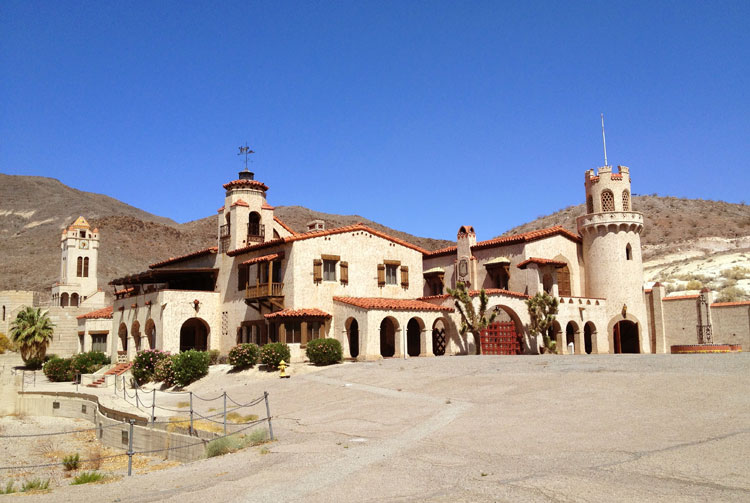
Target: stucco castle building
[382, 297]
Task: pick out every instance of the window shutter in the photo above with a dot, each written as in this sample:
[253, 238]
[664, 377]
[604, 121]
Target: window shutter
[344, 270]
[317, 270]
[404, 276]
[381, 274]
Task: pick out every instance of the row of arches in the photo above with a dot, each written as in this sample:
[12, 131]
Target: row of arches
[194, 334]
[415, 343]
[625, 338]
[72, 300]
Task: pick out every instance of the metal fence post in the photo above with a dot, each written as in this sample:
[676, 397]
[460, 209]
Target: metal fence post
[153, 406]
[23, 380]
[130, 449]
[225, 413]
[136, 396]
[268, 415]
[191, 412]
[123, 389]
[35, 378]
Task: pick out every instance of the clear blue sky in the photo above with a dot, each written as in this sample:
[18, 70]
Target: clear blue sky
[420, 115]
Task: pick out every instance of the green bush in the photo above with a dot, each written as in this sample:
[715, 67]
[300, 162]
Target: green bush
[59, 370]
[244, 355]
[213, 356]
[164, 371]
[35, 485]
[145, 363]
[34, 363]
[189, 366]
[86, 478]
[324, 351]
[273, 352]
[88, 363]
[5, 344]
[72, 462]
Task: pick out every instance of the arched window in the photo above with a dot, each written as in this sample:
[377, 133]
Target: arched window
[590, 204]
[628, 252]
[79, 267]
[547, 282]
[625, 200]
[608, 201]
[86, 267]
[253, 226]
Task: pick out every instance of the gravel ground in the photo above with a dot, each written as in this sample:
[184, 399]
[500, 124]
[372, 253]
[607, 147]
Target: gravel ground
[527, 428]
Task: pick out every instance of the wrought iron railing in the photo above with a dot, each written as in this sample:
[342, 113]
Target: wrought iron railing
[256, 232]
[225, 231]
[264, 290]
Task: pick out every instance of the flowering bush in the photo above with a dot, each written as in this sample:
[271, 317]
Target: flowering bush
[164, 371]
[58, 370]
[273, 352]
[189, 366]
[145, 363]
[324, 351]
[243, 355]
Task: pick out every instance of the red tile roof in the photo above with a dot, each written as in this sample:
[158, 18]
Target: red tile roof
[104, 313]
[174, 260]
[124, 290]
[297, 313]
[541, 261]
[528, 237]
[317, 234]
[391, 304]
[285, 226]
[266, 206]
[240, 202]
[449, 250]
[729, 304]
[253, 184]
[220, 210]
[498, 291]
[681, 297]
[616, 176]
[264, 258]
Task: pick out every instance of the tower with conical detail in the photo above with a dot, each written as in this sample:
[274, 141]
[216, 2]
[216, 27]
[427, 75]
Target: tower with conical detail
[611, 233]
[246, 218]
[79, 246]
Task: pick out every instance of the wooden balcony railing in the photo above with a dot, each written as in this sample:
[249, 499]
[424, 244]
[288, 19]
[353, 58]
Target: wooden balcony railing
[224, 231]
[255, 232]
[260, 290]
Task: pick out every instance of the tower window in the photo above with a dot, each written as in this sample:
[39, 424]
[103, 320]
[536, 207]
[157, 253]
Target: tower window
[79, 267]
[628, 252]
[590, 205]
[625, 200]
[608, 201]
[86, 267]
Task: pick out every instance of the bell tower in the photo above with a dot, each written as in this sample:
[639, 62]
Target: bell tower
[611, 233]
[79, 246]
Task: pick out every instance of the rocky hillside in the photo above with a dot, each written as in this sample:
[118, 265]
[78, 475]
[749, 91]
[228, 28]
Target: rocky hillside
[34, 210]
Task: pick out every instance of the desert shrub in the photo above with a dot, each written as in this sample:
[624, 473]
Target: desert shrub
[88, 363]
[694, 284]
[35, 485]
[189, 366]
[273, 352]
[71, 462]
[244, 355]
[736, 273]
[324, 351]
[225, 445]
[34, 363]
[59, 370]
[144, 364]
[5, 344]
[164, 371]
[87, 477]
[213, 356]
[730, 294]
[9, 489]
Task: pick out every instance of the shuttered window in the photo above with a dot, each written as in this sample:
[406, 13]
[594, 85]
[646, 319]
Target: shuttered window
[317, 270]
[390, 274]
[404, 276]
[381, 274]
[563, 282]
[344, 269]
[329, 270]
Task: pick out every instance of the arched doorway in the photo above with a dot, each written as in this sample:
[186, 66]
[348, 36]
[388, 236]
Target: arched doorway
[151, 333]
[135, 331]
[64, 299]
[352, 334]
[571, 334]
[413, 337]
[554, 332]
[123, 334]
[589, 336]
[626, 338]
[387, 338]
[504, 336]
[74, 300]
[438, 338]
[194, 335]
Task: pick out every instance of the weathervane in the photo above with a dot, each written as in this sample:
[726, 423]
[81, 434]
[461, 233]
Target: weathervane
[246, 152]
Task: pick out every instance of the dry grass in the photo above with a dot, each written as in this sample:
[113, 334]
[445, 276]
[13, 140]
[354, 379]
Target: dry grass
[182, 405]
[236, 417]
[177, 423]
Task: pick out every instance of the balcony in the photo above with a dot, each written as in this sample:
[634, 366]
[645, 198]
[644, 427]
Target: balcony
[265, 294]
[255, 232]
[224, 231]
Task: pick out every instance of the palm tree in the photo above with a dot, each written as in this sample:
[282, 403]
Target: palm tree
[471, 320]
[32, 332]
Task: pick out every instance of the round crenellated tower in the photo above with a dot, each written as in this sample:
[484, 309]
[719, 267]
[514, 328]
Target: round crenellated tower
[611, 233]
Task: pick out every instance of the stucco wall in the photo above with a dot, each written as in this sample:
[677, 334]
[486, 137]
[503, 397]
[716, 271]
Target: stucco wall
[731, 325]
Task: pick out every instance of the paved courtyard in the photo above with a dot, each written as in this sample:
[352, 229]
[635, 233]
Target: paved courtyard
[526, 428]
